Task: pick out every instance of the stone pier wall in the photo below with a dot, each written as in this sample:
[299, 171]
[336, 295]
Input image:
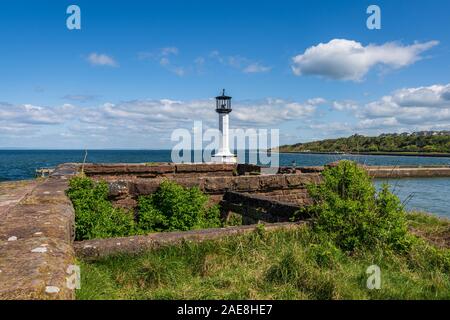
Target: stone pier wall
[167, 170]
[298, 196]
[36, 237]
[255, 209]
[409, 172]
[287, 188]
[394, 171]
[128, 181]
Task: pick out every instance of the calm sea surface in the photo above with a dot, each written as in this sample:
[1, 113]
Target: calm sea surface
[428, 194]
[422, 194]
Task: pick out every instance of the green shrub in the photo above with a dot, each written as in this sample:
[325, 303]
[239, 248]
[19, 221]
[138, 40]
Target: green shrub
[95, 217]
[348, 209]
[173, 207]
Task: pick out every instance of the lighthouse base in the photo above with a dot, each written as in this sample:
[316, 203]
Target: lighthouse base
[224, 158]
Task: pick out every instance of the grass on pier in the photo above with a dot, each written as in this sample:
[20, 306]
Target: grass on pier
[353, 228]
[274, 265]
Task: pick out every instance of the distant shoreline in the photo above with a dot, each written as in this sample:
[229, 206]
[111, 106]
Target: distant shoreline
[396, 154]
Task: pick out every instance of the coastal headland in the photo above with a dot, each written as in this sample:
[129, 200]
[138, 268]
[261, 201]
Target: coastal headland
[394, 154]
[422, 144]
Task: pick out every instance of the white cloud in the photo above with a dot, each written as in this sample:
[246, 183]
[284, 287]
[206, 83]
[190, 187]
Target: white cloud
[171, 113]
[164, 61]
[407, 109]
[238, 62]
[349, 60]
[164, 57]
[380, 123]
[33, 115]
[346, 105]
[169, 50]
[169, 59]
[159, 54]
[96, 59]
[316, 101]
[413, 107]
[139, 122]
[432, 96]
[255, 68]
[15, 130]
[272, 111]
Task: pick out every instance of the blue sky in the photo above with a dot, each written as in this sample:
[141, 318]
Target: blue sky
[137, 70]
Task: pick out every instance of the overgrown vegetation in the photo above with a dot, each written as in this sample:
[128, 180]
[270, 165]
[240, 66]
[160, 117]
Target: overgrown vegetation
[382, 143]
[348, 210]
[355, 228]
[171, 207]
[95, 216]
[294, 264]
[434, 229]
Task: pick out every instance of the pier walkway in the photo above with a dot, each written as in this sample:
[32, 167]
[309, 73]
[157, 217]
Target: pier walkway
[11, 193]
[36, 234]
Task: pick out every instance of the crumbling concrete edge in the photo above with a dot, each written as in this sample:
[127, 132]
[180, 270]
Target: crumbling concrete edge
[36, 238]
[91, 250]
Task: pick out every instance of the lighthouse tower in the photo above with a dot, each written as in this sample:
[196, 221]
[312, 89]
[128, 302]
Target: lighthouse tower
[223, 108]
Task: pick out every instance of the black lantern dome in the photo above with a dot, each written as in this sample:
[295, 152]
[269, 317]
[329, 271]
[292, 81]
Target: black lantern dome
[223, 103]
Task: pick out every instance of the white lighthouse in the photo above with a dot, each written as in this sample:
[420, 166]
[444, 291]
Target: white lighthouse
[223, 108]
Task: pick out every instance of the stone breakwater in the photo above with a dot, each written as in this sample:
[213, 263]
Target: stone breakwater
[170, 170]
[36, 237]
[37, 219]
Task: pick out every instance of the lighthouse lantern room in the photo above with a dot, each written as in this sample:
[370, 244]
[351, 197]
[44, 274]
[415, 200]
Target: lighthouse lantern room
[223, 108]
